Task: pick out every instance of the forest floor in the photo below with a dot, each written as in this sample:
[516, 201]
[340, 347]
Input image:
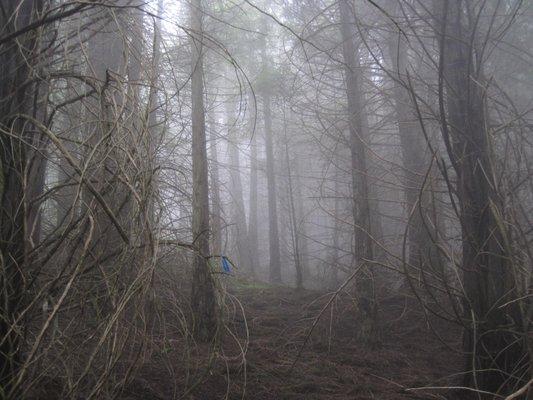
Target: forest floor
[331, 365]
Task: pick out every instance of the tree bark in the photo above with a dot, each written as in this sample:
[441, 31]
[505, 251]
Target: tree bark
[239, 213]
[495, 341]
[273, 230]
[423, 252]
[275, 256]
[17, 61]
[294, 223]
[154, 130]
[300, 220]
[203, 301]
[337, 209]
[216, 217]
[252, 220]
[107, 60]
[358, 127]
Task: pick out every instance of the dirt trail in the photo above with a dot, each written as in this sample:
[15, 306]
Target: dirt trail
[332, 365]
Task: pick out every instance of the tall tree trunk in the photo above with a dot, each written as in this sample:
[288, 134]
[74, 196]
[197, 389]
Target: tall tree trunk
[423, 253]
[203, 301]
[155, 132]
[358, 127]
[239, 213]
[294, 222]
[38, 142]
[273, 230]
[300, 218]
[16, 66]
[216, 217]
[495, 341]
[107, 60]
[36, 169]
[67, 178]
[252, 221]
[334, 278]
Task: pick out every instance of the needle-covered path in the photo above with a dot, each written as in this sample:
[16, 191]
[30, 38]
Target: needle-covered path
[332, 364]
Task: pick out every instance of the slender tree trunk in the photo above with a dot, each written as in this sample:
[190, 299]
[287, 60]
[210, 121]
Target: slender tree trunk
[36, 168]
[273, 230]
[216, 218]
[67, 177]
[334, 280]
[300, 218]
[37, 150]
[203, 301]
[154, 130]
[275, 257]
[494, 343]
[358, 127]
[294, 223]
[239, 213]
[252, 221]
[155, 69]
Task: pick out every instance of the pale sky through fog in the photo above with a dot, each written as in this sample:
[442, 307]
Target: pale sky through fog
[174, 15]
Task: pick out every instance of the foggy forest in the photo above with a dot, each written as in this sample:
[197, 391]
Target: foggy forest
[266, 199]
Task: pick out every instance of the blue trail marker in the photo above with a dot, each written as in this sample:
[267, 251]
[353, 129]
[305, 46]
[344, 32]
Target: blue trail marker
[226, 265]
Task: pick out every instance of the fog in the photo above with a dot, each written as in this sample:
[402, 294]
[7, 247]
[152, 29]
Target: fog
[258, 199]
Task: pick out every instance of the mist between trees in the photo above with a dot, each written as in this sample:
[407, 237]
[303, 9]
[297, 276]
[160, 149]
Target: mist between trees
[204, 199]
